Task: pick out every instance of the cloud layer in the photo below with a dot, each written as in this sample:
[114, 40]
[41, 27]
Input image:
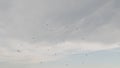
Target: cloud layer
[23, 52]
[47, 30]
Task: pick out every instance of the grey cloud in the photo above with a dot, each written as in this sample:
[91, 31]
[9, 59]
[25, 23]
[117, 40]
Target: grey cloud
[28, 22]
[116, 4]
[5, 5]
[52, 20]
[59, 20]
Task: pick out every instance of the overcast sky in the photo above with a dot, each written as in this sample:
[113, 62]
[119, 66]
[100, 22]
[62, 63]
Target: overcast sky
[53, 32]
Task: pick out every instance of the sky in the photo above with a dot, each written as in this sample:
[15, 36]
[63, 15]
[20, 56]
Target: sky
[59, 33]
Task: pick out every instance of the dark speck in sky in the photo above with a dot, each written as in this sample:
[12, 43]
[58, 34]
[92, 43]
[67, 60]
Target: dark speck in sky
[18, 51]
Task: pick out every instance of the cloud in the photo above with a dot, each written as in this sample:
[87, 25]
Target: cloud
[24, 52]
[44, 30]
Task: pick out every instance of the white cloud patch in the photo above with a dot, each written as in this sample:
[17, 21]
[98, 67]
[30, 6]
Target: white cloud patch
[24, 52]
